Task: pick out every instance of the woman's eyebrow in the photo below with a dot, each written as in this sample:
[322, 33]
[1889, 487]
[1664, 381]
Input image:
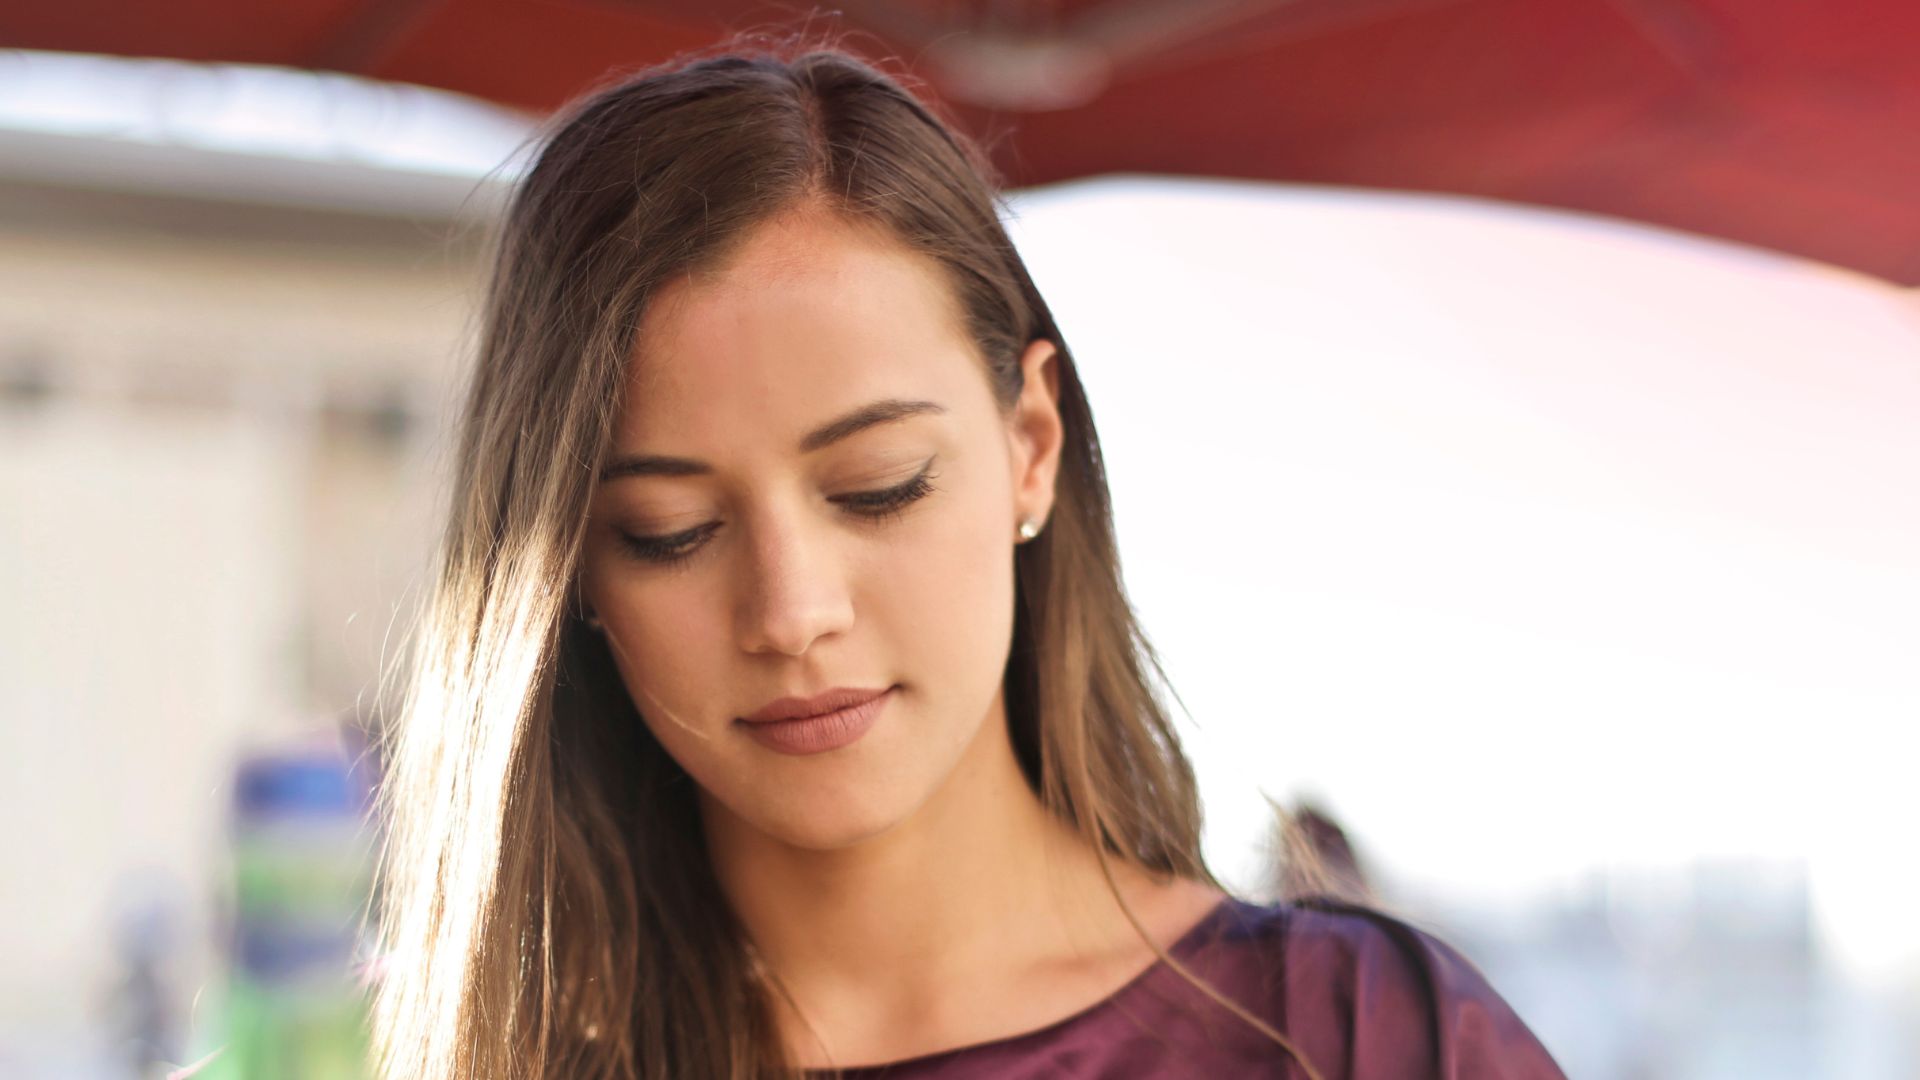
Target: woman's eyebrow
[886, 410]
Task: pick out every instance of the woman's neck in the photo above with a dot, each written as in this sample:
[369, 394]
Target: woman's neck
[905, 935]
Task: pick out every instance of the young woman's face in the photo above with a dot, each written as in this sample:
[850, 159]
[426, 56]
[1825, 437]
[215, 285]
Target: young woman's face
[812, 488]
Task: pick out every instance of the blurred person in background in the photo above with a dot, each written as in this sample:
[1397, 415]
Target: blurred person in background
[778, 709]
[1315, 857]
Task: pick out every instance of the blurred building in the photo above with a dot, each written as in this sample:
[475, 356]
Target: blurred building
[1710, 971]
[221, 379]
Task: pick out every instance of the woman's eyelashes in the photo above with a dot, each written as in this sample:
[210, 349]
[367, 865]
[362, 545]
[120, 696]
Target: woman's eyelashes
[665, 550]
[873, 506]
[890, 502]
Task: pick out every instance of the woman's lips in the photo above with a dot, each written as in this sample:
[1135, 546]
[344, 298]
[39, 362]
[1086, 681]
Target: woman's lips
[818, 734]
[800, 708]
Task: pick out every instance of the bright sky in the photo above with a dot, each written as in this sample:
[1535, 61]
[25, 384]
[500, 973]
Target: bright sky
[1531, 543]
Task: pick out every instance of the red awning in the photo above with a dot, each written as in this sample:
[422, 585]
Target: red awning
[1794, 126]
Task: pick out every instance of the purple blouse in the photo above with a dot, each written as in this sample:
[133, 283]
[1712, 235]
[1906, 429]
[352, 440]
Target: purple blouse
[1363, 995]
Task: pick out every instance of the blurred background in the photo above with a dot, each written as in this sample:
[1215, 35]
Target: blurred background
[1513, 414]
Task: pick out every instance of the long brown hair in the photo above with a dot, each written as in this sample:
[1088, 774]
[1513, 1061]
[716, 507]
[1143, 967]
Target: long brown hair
[548, 908]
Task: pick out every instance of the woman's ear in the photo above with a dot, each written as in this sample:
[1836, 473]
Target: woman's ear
[1035, 433]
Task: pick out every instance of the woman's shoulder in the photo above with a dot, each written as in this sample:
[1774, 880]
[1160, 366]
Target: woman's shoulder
[1368, 994]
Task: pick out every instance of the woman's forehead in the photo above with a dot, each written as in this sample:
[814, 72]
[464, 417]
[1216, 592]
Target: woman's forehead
[808, 318]
[803, 257]
[800, 308]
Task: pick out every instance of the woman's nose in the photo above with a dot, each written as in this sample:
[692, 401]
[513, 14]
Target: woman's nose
[795, 589]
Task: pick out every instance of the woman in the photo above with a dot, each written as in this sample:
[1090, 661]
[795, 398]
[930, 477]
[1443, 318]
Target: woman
[779, 707]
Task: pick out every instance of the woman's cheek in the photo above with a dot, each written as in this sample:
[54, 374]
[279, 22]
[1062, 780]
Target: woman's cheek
[963, 582]
[662, 649]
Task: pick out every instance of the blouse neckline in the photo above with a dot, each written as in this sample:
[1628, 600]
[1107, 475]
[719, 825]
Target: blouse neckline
[1184, 946]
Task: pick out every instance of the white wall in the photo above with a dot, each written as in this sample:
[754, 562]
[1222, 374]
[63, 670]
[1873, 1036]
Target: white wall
[202, 548]
[1533, 543]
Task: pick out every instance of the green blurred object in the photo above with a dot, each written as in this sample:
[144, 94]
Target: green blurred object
[276, 1035]
[295, 1009]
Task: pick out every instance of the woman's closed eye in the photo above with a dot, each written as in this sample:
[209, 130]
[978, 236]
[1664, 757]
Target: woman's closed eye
[871, 506]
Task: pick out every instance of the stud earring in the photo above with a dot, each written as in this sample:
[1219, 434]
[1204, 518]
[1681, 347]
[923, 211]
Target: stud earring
[593, 623]
[1028, 529]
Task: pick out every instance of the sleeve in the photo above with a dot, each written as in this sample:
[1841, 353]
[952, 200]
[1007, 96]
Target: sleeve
[1370, 997]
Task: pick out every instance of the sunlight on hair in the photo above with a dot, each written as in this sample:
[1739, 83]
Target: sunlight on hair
[441, 860]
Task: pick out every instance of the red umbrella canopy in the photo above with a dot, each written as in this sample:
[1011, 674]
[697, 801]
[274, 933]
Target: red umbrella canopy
[1794, 126]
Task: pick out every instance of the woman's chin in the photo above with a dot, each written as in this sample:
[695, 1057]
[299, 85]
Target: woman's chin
[825, 821]
[833, 828]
